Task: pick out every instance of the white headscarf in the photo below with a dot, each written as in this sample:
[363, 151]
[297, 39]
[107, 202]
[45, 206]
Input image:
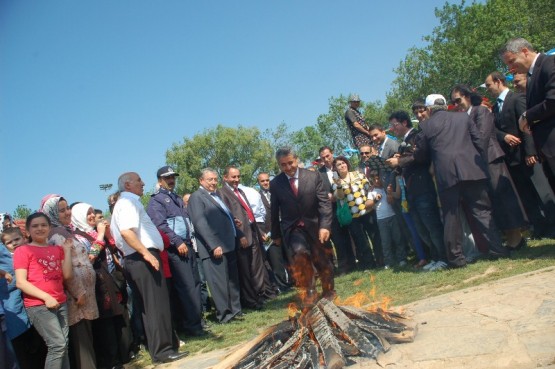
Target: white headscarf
[79, 217]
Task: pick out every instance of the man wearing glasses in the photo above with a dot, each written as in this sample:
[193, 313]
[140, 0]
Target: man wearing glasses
[421, 192]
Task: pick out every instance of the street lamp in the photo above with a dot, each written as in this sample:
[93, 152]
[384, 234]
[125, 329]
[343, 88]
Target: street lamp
[105, 187]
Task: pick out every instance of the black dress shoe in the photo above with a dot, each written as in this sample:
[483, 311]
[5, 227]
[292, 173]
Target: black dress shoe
[520, 245]
[195, 332]
[173, 357]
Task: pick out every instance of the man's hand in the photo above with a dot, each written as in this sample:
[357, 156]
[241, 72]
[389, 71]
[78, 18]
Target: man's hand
[277, 241]
[151, 259]
[323, 235]
[218, 252]
[264, 237]
[531, 160]
[512, 140]
[523, 125]
[182, 249]
[393, 162]
[238, 223]
[243, 242]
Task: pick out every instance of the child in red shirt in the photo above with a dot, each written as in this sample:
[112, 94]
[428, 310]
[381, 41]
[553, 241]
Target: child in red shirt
[40, 271]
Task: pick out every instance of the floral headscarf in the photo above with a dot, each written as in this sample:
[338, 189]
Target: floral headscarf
[79, 217]
[49, 206]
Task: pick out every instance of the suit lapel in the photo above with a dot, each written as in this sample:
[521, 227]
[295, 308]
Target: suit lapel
[211, 199]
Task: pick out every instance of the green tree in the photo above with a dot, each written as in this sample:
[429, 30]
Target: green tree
[22, 212]
[244, 147]
[464, 47]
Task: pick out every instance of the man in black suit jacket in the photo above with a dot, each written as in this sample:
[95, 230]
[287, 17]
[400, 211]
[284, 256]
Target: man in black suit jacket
[274, 253]
[217, 235]
[539, 117]
[339, 235]
[255, 282]
[299, 196]
[456, 148]
[420, 188]
[521, 155]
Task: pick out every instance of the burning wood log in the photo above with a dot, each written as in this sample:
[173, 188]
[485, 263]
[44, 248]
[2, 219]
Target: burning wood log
[326, 339]
[323, 337]
[349, 329]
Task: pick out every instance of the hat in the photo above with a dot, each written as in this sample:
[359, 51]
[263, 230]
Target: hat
[435, 99]
[354, 97]
[166, 172]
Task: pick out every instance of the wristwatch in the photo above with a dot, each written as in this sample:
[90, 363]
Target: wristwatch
[523, 115]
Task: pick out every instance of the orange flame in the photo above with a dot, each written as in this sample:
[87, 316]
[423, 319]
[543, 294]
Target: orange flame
[367, 300]
[292, 310]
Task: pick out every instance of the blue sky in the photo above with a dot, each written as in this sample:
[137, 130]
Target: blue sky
[92, 89]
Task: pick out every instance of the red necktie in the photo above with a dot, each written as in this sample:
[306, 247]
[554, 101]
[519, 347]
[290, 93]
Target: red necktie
[244, 205]
[293, 187]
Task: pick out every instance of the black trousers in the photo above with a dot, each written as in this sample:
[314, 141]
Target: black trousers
[536, 195]
[304, 253]
[276, 259]
[222, 277]
[475, 195]
[186, 283]
[149, 286]
[30, 349]
[341, 239]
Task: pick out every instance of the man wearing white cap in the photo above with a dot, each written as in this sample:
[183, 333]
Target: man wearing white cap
[454, 145]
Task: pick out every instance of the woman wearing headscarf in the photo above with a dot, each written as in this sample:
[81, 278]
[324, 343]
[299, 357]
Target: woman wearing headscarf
[80, 289]
[110, 288]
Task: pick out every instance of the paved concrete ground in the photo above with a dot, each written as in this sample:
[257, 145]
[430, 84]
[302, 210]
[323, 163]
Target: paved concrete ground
[509, 323]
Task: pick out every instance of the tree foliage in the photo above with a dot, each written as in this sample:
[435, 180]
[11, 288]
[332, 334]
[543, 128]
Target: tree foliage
[464, 47]
[22, 212]
[244, 147]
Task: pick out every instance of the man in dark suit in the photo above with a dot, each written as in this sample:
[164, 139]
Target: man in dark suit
[386, 146]
[255, 282]
[421, 192]
[539, 117]
[274, 253]
[217, 235]
[453, 143]
[521, 155]
[299, 196]
[508, 211]
[339, 235]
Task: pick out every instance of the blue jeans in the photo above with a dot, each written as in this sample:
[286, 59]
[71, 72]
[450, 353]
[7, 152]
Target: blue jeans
[52, 326]
[425, 213]
[392, 243]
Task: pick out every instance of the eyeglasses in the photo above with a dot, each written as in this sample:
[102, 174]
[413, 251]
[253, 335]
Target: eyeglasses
[365, 153]
[456, 101]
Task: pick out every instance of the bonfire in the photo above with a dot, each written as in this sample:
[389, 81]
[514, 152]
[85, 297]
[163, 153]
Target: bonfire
[325, 334]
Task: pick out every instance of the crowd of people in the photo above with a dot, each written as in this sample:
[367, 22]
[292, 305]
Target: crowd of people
[82, 291]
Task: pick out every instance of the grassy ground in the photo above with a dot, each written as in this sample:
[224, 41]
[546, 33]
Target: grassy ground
[399, 286]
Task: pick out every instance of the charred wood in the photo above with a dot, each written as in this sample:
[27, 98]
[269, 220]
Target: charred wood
[349, 329]
[326, 340]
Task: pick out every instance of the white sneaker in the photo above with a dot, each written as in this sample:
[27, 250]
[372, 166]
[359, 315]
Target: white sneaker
[429, 265]
[402, 263]
[439, 265]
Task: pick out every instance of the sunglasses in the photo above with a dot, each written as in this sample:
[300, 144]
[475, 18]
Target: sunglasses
[456, 101]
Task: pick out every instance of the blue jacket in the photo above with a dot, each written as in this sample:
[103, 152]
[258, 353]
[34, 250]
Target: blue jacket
[168, 213]
[17, 321]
